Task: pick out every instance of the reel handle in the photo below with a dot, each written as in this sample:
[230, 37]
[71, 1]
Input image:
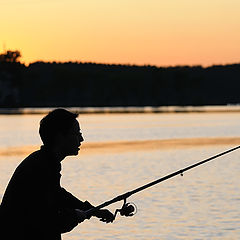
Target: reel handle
[127, 210]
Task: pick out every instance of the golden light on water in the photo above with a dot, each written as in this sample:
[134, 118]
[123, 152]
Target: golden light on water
[136, 32]
[90, 148]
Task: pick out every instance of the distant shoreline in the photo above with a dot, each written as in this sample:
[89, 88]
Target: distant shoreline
[146, 109]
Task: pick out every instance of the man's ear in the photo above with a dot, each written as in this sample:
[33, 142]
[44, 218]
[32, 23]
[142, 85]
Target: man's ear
[59, 138]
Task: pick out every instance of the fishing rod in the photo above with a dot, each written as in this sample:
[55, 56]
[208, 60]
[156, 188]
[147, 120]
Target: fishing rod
[129, 209]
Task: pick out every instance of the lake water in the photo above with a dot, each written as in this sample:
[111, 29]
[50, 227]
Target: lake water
[203, 204]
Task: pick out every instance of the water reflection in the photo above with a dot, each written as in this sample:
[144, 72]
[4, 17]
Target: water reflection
[203, 204]
[18, 130]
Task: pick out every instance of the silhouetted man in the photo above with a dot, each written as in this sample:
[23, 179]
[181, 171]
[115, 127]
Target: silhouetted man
[34, 205]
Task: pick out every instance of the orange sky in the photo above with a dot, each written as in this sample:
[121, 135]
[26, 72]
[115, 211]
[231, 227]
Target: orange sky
[156, 32]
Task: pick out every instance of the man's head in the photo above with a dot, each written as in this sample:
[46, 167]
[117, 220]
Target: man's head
[60, 129]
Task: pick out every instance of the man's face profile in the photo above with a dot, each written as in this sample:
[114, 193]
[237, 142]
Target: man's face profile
[71, 141]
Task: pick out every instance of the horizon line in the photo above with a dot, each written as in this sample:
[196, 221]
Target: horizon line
[129, 64]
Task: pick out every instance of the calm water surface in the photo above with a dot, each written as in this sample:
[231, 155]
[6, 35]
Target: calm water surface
[21, 130]
[203, 204]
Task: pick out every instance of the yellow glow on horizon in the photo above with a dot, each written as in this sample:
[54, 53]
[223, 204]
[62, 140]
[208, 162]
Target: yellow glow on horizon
[175, 32]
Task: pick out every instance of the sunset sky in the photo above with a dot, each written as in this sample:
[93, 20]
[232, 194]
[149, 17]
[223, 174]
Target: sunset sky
[156, 32]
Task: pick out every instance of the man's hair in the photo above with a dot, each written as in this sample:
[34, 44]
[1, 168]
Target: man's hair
[57, 121]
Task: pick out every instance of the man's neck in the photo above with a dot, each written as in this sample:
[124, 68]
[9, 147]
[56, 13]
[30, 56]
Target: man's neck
[56, 152]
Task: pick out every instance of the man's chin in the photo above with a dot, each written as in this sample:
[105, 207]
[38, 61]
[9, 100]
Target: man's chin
[77, 150]
[74, 153]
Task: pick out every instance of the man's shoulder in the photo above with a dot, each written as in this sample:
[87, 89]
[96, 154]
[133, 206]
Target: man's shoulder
[34, 155]
[29, 168]
[34, 159]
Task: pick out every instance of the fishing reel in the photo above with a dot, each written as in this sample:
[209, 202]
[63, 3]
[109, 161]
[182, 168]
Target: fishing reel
[127, 210]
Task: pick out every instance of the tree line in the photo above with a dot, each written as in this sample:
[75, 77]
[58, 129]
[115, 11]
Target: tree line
[77, 84]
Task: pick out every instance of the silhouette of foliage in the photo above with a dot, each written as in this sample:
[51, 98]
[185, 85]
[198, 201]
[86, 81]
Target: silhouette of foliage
[11, 73]
[10, 56]
[44, 84]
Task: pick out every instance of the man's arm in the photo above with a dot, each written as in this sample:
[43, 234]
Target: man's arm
[67, 200]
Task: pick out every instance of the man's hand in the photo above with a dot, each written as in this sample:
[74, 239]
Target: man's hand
[105, 215]
[81, 215]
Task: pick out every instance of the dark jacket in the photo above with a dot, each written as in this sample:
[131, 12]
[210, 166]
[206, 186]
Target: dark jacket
[34, 205]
